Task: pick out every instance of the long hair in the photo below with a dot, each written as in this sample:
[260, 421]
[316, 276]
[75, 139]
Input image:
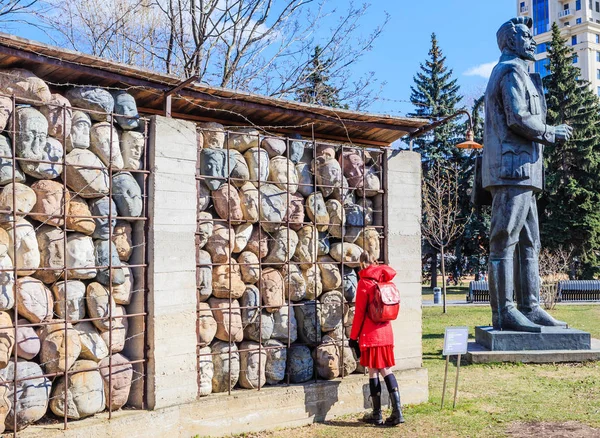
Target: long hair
[367, 259]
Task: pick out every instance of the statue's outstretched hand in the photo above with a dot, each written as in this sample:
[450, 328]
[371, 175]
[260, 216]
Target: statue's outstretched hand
[563, 133]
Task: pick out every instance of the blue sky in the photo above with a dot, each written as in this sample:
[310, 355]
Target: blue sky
[466, 32]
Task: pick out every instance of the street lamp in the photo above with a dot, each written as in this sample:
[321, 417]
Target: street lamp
[469, 143]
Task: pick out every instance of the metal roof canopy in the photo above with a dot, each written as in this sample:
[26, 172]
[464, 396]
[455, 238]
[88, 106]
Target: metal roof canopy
[61, 67]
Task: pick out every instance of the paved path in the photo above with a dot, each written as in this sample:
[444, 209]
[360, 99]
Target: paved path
[429, 303]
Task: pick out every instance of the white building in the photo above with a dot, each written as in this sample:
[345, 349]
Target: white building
[579, 21]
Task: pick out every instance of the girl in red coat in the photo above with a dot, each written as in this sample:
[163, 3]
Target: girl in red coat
[376, 345]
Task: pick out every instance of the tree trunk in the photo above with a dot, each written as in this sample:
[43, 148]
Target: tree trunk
[434, 271]
[443, 277]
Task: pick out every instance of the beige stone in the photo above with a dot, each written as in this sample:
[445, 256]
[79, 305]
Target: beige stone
[249, 267]
[34, 300]
[227, 281]
[282, 172]
[50, 201]
[285, 327]
[93, 346]
[372, 184]
[81, 257]
[69, 294]
[203, 275]
[295, 214]
[282, 246]
[306, 250]
[116, 337]
[350, 255]
[242, 236]
[258, 165]
[227, 203]
[227, 321]
[78, 218]
[60, 348]
[28, 253]
[122, 239]
[330, 273]
[258, 243]
[317, 211]
[132, 149]
[273, 207]
[104, 142]
[242, 139]
[274, 146]
[337, 217]
[343, 193]
[253, 361]
[213, 134]
[84, 392]
[7, 339]
[206, 371]
[226, 360]
[58, 112]
[221, 243]
[99, 305]
[24, 84]
[294, 282]
[239, 168]
[203, 196]
[27, 341]
[207, 326]
[5, 112]
[328, 173]
[7, 279]
[86, 174]
[369, 240]
[327, 361]
[204, 228]
[25, 199]
[122, 292]
[7, 163]
[314, 284]
[117, 373]
[326, 150]
[249, 202]
[51, 243]
[271, 289]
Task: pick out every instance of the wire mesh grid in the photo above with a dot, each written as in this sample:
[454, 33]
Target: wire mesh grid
[73, 227]
[282, 222]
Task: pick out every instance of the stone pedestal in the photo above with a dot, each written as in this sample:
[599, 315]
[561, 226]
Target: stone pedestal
[551, 338]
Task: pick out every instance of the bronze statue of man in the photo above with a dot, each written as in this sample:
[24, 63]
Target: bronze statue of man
[512, 170]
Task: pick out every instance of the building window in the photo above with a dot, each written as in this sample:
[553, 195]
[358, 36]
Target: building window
[598, 91]
[541, 48]
[574, 40]
[578, 5]
[522, 7]
[598, 74]
[597, 6]
[567, 23]
[597, 39]
[566, 6]
[598, 56]
[541, 16]
[575, 59]
[541, 67]
[578, 21]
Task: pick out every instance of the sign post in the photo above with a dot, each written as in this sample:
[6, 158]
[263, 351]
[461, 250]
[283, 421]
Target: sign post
[455, 344]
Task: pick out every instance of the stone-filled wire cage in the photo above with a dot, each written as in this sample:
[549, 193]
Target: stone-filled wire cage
[282, 223]
[73, 219]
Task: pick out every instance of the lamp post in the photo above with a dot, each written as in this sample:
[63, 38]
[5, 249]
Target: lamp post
[469, 143]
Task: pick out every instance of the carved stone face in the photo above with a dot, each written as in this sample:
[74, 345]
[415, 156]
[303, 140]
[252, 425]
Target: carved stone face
[125, 106]
[52, 151]
[296, 211]
[213, 163]
[104, 142]
[101, 207]
[127, 195]
[132, 149]
[32, 129]
[524, 44]
[6, 164]
[204, 229]
[80, 256]
[95, 99]
[206, 368]
[213, 135]
[203, 275]
[329, 174]
[353, 167]
[80, 131]
[28, 253]
[59, 114]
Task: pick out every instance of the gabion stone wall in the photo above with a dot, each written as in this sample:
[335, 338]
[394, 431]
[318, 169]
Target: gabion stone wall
[282, 223]
[72, 250]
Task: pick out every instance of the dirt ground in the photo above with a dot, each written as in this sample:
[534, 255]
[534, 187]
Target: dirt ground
[570, 429]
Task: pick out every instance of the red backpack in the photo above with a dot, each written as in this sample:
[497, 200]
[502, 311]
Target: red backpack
[385, 304]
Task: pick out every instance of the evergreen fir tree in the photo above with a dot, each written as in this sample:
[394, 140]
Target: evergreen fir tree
[570, 205]
[436, 95]
[318, 91]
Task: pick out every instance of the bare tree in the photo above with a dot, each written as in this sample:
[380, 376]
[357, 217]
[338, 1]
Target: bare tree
[442, 222]
[16, 11]
[262, 46]
[554, 266]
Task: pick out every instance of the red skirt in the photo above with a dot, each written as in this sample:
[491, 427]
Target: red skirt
[377, 357]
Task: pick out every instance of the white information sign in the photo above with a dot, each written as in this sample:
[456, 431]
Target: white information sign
[455, 341]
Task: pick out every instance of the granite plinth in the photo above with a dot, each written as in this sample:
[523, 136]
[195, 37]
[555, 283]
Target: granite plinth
[551, 338]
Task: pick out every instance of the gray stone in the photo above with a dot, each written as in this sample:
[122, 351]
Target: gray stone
[84, 392]
[27, 341]
[317, 211]
[81, 256]
[97, 100]
[100, 304]
[51, 242]
[118, 381]
[299, 364]
[273, 207]
[253, 361]
[314, 285]
[33, 127]
[69, 300]
[243, 233]
[372, 182]
[203, 196]
[53, 152]
[60, 348]
[226, 360]
[93, 346]
[103, 207]
[331, 276]
[49, 206]
[116, 336]
[86, 174]
[126, 112]
[5, 113]
[58, 112]
[308, 317]
[242, 139]
[323, 244]
[213, 135]
[6, 164]
[227, 203]
[204, 275]
[127, 195]
[206, 371]
[343, 193]
[350, 284]
[550, 338]
[368, 209]
[285, 326]
[249, 201]
[102, 249]
[79, 136]
[207, 326]
[282, 173]
[355, 221]
[294, 282]
[274, 146]
[329, 174]
[276, 361]
[239, 168]
[228, 321]
[33, 393]
[258, 324]
[326, 150]
[306, 180]
[296, 148]
[282, 245]
[249, 267]
[204, 229]
[34, 300]
[7, 277]
[327, 361]
[332, 310]
[258, 165]
[122, 239]
[214, 167]
[132, 149]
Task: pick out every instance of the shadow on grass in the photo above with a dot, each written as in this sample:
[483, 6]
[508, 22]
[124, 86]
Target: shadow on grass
[433, 336]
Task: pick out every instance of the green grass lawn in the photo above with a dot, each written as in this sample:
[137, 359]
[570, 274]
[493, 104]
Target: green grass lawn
[452, 292]
[493, 399]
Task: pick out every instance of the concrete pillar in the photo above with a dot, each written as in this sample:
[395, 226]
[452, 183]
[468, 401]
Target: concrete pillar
[404, 254]
[171, 371]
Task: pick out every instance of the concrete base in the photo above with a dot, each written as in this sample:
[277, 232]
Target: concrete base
[243, 411]
[479, 354]
[551, 338]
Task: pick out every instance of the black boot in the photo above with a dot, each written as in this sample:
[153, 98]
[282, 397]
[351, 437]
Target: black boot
[396, 417]
[375, 417]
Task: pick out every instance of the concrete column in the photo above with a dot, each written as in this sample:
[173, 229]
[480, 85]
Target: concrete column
[171, 370]
[404, 254]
